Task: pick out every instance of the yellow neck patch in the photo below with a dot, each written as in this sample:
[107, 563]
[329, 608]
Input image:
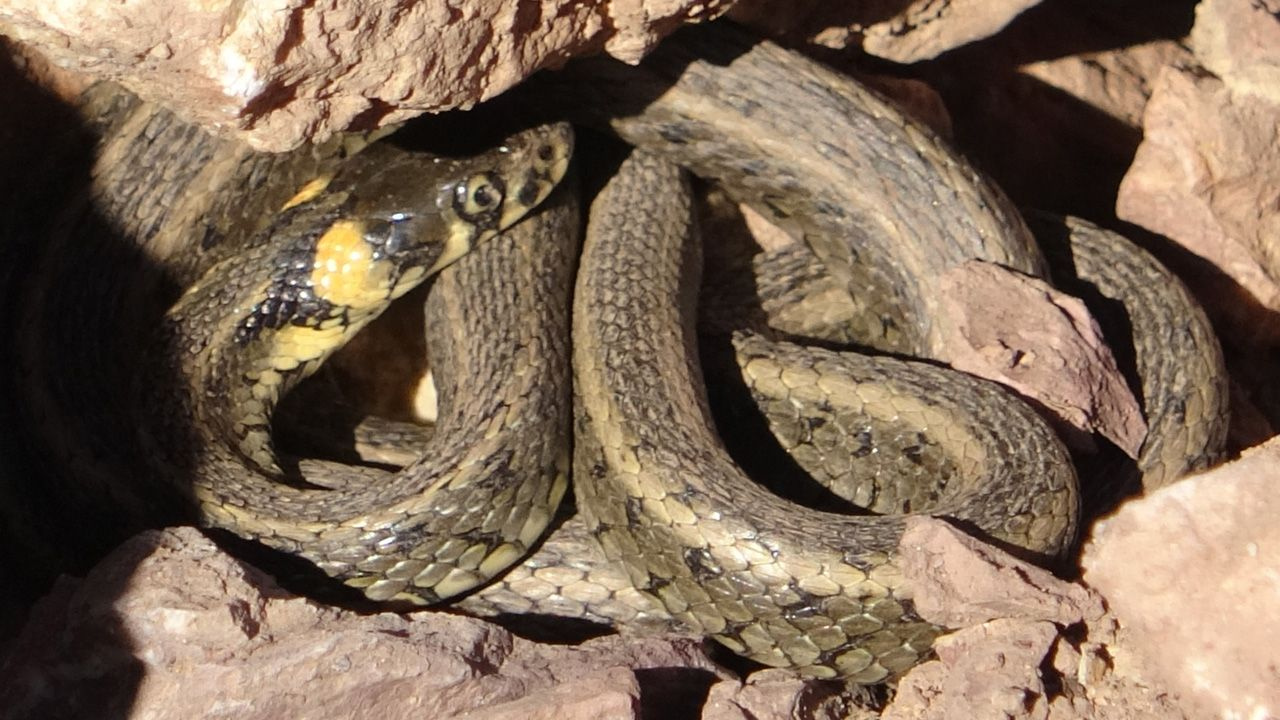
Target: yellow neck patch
[345, 272]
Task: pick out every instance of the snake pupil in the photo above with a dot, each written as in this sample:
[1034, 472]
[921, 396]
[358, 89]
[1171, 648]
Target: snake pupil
[480, 197]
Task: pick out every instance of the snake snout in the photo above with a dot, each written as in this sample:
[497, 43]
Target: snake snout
[544, 153]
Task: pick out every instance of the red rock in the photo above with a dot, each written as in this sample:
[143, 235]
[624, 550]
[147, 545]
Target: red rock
[960, 581]
[902, 32]
[168, 626]
[1210, 197]
[780, 695]
[1240, 43]
[603, 696]
[1190, 572]
[990, 670]
[279, 73]
[1021, 332]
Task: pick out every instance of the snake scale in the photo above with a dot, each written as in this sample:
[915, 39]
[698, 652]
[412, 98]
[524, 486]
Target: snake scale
[274, 261]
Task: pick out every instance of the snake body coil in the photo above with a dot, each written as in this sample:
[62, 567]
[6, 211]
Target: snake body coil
[268, 304]
[887, 209]
[670, 534]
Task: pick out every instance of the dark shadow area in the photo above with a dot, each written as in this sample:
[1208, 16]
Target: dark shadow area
[27, 144]
[64, 403]
[1059, 28]
[673, 693]
[1044, 147]
[550, 629]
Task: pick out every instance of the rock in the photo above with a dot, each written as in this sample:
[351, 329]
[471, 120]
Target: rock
[1190, 574]
[780, 695]
[594, 696]
[279, 72]
[1094, 684]
[987, 671]
[925, 29]
[1205, 175]
[1206, 195]
[1021, 332]
[1240, 43]
[1115, 81]
[169, 626]
[1021, 669]
[958, 581]
[901, 32]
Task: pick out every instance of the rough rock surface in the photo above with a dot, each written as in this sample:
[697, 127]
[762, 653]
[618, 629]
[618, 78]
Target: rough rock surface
[281, 71]
[1182, 572]
[1207, 176]
[1019, 331]
[1240, 43]
[1115, 81]
[780, 695]
[170, 627]
[959, 581]
[1217, 199]
[903, 32]
[986, 671]
[1191, 573]
[1210, 197]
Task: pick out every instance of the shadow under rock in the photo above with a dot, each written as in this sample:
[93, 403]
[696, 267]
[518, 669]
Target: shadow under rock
[58, 345]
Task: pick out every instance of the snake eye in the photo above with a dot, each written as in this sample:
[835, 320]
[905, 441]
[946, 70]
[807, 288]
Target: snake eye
[479, 196]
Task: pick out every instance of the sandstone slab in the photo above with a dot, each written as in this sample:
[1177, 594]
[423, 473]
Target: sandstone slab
[169, 626]
[1190, 572]
[903, 32]
[1019, 331]
[279, 72]
[1210, 197]
[960, 581]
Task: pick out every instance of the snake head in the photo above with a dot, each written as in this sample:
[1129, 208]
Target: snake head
[416, 214]
[335, 256]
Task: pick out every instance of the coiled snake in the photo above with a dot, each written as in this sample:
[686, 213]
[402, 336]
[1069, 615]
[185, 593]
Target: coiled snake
[669, 532]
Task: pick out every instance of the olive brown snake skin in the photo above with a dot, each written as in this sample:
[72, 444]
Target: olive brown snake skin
[686, 540]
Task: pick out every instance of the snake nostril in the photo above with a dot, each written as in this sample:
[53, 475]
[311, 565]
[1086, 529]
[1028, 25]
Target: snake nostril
[546, 153]
[528, 195]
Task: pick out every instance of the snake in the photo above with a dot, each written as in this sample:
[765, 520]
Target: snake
[669, 533]
[345, 230]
